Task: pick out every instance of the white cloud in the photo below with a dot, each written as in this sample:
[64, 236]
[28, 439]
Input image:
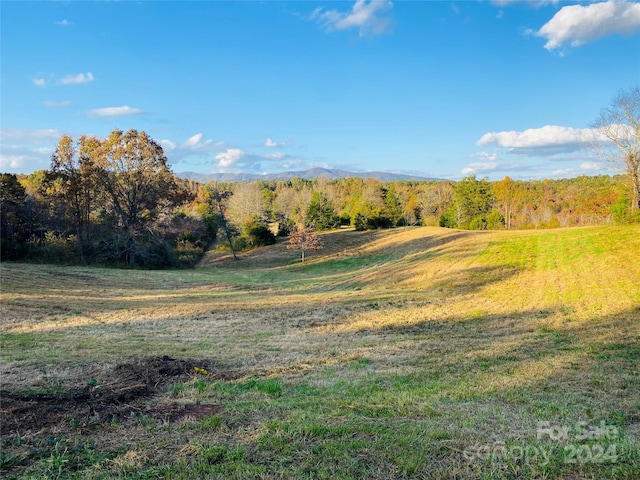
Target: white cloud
[23, 150]
[585, 168]
[64, 23]
[114, 111]
[272, 144]
[167, 145]
[479, 167]
[535, 3]
[77, 79]
[366, 16]
[592, 166]
[192, 147]
[487, 157]
[229, 157]
[547, 140]
[12, 163]
[195, 143]
[52, 104]
[193, 140]
[10, 135]
[275, 156]
[39, 82]
[575, 25]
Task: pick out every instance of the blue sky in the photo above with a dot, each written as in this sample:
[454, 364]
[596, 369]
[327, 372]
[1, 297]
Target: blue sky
[438, 89]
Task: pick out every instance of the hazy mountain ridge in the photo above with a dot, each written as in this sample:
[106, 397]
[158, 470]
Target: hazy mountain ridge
[311, 174]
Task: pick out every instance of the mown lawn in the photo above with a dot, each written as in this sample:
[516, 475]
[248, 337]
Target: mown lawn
[406, 353]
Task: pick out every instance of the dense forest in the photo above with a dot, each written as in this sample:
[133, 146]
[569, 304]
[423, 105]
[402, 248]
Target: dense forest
[116, 202]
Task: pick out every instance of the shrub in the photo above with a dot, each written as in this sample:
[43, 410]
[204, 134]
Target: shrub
[478, 223]
[260, 236]
[448, 220]
[495, 220]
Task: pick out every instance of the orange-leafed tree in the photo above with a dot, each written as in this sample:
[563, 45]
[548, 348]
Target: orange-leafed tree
[304, 239]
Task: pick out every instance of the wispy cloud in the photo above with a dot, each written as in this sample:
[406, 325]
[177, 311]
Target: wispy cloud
[194, 145]
[78, 79]
[64, 23]
[10, 135]
[114, 112]
[219, 156]
[585, 168]
[368, 17]
[236, 159]
[575, 25]
[534, 3]
[25, 150]
[478, 167]
[272, 144]
[52, 104]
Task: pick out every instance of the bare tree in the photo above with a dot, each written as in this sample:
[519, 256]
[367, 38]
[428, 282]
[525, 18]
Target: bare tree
[246, 203]
[303, 238]
[619, 138]
[434, 199]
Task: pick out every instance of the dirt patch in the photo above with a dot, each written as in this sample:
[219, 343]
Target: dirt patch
[128, 391]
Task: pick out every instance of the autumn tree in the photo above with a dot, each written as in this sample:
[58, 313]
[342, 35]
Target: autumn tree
[506, 194]
[304, 239]
[138, 185]
[618, 127]
[75, 180]
[408, 197]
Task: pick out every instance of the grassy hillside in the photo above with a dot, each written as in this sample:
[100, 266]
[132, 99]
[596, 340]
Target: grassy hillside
[406, 353]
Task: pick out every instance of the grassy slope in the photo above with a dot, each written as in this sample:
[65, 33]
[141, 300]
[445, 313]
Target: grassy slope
[411, 352]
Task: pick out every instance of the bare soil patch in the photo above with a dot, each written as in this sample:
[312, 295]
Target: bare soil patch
[129, 390]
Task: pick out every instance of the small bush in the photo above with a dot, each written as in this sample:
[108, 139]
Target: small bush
[495, 220]
[260, 235]
[478, 223]
[55, 248]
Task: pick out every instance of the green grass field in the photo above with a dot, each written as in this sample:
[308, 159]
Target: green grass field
[404, 353]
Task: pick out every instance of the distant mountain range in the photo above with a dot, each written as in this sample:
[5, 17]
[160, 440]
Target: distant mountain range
[312, 174]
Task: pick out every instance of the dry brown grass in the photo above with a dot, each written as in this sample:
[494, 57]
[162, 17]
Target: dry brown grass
[514, 325]
[399, 279]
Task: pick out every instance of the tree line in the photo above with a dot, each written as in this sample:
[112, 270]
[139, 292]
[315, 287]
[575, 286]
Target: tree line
[115, 201]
